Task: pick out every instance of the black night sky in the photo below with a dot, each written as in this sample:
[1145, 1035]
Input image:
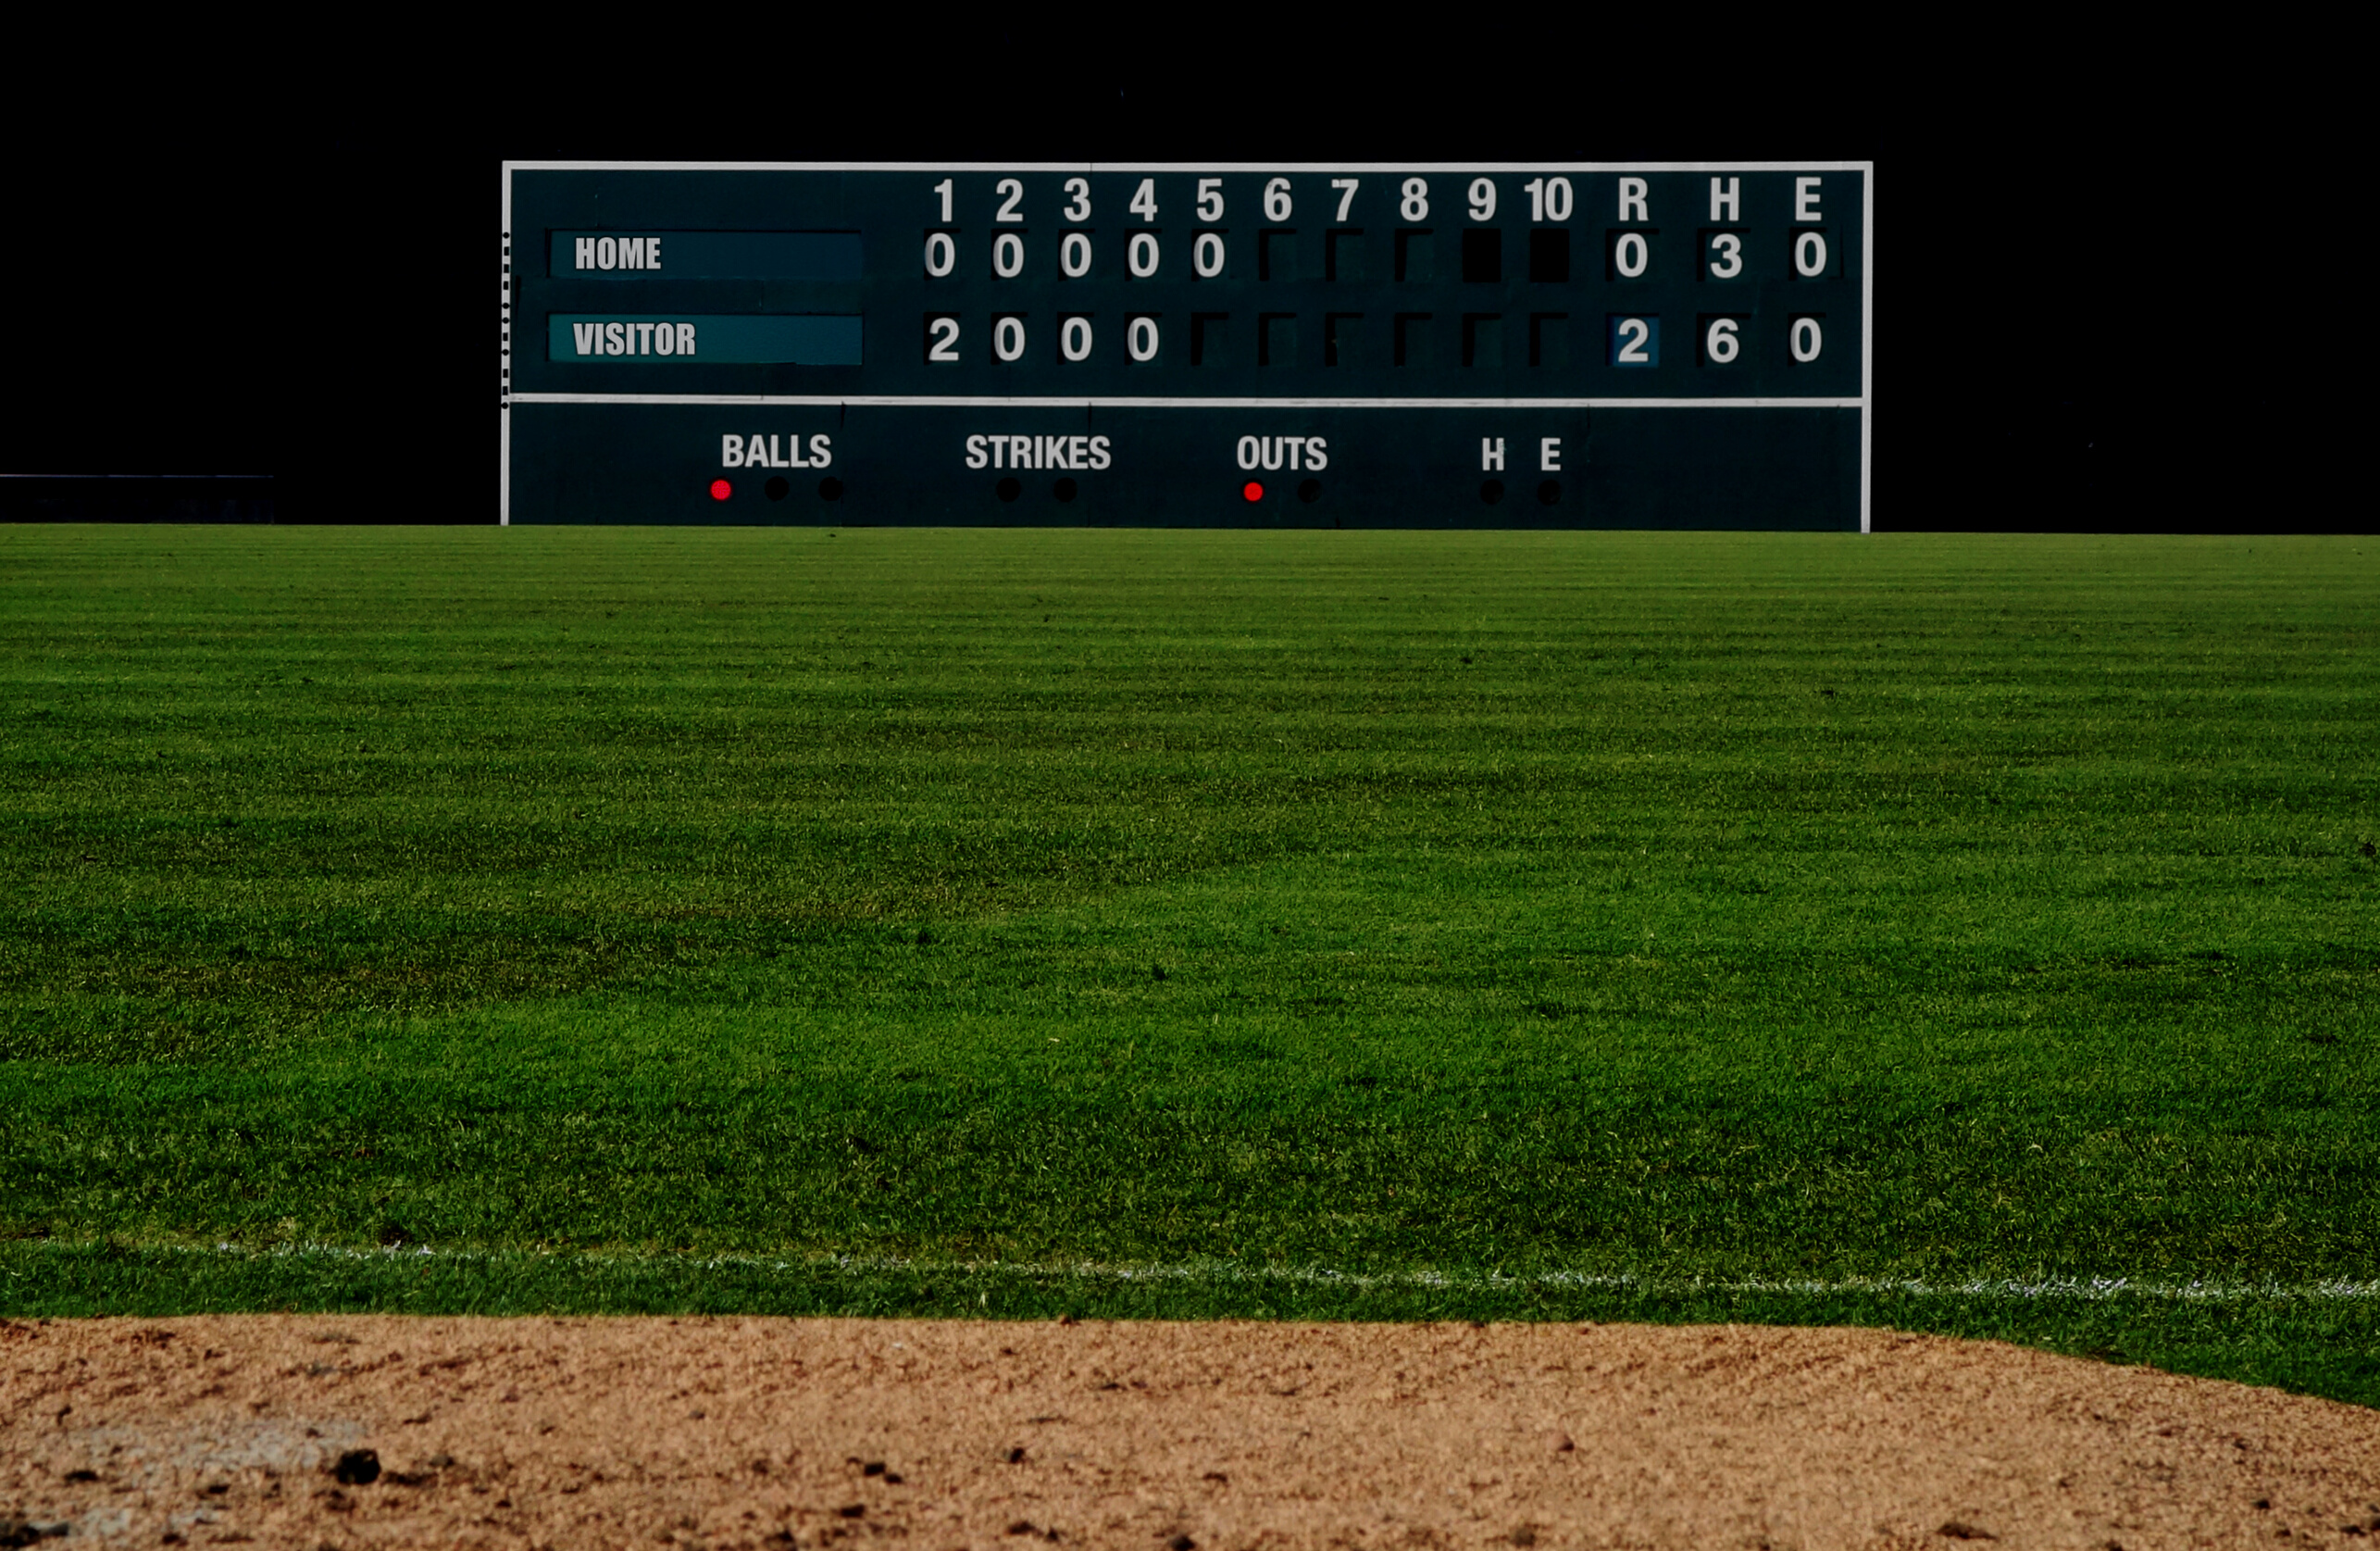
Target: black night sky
[2076, 324]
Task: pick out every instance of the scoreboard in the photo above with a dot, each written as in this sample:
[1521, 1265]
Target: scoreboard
[1656, 344]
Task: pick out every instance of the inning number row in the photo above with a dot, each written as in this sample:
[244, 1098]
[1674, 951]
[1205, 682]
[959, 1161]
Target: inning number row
[1550, 199]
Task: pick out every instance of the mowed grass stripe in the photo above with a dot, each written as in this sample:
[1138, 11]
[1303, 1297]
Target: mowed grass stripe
[1752, 913]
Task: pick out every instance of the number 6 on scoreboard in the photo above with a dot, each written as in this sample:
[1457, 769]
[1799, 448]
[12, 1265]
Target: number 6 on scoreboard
[1722, 341]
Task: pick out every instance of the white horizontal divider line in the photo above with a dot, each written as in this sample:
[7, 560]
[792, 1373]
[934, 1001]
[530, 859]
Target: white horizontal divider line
[2092, 1289]
[1387, 166]
[960, 401]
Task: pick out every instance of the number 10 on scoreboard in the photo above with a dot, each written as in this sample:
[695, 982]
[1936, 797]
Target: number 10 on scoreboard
[1683, 344]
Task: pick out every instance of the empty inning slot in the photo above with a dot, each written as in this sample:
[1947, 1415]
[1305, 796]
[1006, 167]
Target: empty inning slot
[1550, 340]
[1276, 339]
[1550, 255]
[1483, 339]
[1413, 338]
[1342, 339]
[1343, 253]
[1210, 339]
[1416, 256]
[1277, 256]
[1483, 256]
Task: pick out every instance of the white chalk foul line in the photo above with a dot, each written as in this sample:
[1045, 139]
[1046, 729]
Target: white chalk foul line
[2097, 1288]
[2090, 1289]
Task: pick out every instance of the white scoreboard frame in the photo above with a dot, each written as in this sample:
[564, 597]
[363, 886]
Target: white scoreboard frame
[1863, 402]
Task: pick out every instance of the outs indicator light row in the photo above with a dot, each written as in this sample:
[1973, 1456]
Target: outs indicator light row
[1308, 490]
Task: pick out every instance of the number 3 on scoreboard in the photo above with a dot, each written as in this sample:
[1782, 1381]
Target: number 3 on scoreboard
[941, 337]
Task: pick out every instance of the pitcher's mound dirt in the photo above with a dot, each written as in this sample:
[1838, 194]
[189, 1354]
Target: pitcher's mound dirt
[372, 1432]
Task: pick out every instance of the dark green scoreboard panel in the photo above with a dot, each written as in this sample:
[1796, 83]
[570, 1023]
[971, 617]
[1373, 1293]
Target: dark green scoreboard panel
[1641, 345]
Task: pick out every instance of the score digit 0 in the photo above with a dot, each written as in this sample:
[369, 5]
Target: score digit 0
[1401, 316]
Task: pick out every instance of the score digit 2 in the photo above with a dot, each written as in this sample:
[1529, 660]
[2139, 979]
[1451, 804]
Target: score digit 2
[1711, 369]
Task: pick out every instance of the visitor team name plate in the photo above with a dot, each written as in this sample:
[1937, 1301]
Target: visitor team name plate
[1660, 344]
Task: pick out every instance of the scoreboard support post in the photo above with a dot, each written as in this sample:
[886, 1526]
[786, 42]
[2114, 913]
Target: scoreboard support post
[1558, 345]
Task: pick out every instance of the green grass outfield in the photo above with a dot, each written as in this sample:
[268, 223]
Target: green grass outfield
[1975, 934]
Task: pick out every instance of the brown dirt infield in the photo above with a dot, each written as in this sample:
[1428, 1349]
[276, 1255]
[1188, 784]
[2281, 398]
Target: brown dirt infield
[937, 1435]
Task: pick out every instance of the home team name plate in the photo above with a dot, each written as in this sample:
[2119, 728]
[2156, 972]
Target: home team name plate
[1563, 345]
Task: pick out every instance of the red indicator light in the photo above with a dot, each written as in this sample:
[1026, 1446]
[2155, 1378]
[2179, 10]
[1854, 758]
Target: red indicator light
[1252, 491]
[721, 490]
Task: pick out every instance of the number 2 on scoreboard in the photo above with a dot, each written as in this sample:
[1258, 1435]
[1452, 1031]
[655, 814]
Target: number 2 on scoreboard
[1636, 341]
[941, 337]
